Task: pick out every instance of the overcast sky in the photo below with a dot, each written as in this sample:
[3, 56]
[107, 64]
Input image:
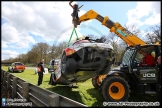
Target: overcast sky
[24, 24]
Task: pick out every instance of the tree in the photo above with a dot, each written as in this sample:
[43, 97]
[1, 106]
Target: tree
[60, 48]
[154, 35]
[32, 57]
[51, 54]
[56, 50]
[118, 44]
[133, 29]
[112, 39]
[38, 51]
[22, 58]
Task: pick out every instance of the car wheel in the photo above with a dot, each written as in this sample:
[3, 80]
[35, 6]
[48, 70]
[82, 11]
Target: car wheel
[68, 66]
[63, 63]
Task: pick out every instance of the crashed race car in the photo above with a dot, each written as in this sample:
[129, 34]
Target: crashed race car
[82, 60]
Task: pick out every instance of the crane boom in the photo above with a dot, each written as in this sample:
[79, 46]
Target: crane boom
[120, 31]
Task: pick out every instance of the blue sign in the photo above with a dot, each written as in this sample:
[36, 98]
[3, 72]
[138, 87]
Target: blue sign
[122, 33]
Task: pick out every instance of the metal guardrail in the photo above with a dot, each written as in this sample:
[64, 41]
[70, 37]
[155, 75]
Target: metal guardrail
[37, 96]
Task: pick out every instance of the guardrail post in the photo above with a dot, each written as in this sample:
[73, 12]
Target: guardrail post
[14, 89]
[25, 90]
[54, 100]
[5, 74]
[8, 81]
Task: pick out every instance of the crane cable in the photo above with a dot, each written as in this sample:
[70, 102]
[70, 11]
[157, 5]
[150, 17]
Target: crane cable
[72, 34]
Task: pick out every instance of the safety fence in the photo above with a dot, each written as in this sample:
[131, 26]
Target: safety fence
[35, 95]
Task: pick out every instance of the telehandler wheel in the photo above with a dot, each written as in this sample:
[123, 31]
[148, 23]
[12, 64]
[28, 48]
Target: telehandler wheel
[115, 89]
[95, 82]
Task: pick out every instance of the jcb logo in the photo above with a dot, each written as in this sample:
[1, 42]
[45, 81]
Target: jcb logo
[149, 75]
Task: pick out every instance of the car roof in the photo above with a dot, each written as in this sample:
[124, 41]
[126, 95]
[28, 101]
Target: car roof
[57, 59]
[17, 63]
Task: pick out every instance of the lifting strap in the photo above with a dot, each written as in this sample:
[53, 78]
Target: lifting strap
[72, 34]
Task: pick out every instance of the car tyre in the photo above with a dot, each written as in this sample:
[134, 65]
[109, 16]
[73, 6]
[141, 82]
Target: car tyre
[63, 63]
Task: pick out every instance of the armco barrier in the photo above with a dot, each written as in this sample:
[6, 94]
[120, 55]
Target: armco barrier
[37, 96]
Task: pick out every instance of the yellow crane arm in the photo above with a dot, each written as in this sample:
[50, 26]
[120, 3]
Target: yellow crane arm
[120, 31]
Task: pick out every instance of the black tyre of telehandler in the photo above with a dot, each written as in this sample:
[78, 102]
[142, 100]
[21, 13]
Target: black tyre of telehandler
[94, 82]
[115, 89]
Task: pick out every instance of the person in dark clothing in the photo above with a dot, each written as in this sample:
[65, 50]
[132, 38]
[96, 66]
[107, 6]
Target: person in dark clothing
[52, 64]
[159, 78]
[75, 10]
[40, 73]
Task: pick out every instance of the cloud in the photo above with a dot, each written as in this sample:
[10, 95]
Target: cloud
[8, 53]
[142, 35]
[10, 35]
[134, 22]
[45, 20]
[4, 44]
[149, 11]
[154, 19]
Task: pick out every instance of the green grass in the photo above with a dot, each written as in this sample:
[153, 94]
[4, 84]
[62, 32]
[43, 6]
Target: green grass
[85, 93]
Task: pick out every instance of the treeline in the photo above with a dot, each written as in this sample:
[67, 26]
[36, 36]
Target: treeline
[39, 51]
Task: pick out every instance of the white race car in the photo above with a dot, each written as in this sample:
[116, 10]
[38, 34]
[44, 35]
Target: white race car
[82, 60]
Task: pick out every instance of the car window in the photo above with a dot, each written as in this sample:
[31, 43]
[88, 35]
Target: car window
[56, 62]
[18, 64]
